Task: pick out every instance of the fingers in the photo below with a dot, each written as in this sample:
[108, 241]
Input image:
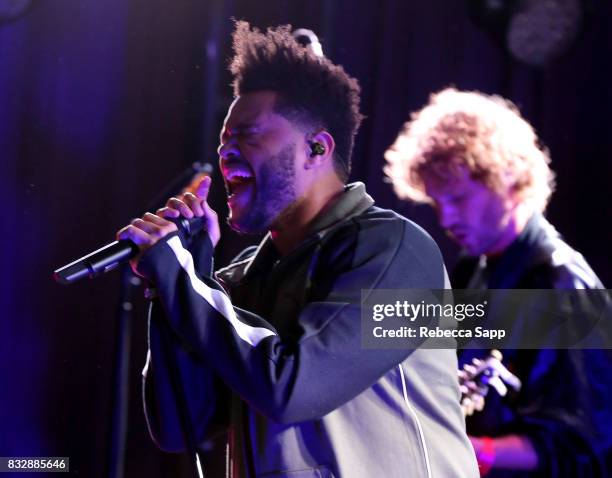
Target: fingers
[472, 402]
[479, 402]
[154, 219]
[167, 212]
[467, 406]
[180, 206]
[473, 387]
[149, 227]
[134, 234]
[147, 230]
[194, 203]
[203, 188]
[187, 205]
[469, 369]
[191, 205]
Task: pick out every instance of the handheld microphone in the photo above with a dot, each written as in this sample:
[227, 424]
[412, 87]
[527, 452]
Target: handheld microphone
[110, 256]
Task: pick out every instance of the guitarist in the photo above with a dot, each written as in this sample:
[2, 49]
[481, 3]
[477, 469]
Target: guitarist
[479, 164]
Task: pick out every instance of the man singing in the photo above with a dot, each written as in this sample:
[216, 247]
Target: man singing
[269, 348]
[479, 164]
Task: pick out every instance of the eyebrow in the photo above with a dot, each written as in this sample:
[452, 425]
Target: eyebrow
[239, 128]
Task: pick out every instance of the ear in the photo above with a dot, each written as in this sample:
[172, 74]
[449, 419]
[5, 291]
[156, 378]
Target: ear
[320, 149]
[514, 198]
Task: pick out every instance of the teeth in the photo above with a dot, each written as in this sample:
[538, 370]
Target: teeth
[238, 174]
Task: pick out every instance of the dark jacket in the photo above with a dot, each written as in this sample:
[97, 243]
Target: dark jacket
[563, 406]
[305, 398]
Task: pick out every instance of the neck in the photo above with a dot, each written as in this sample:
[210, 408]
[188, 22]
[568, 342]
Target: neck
[289, 231]
[519, 216]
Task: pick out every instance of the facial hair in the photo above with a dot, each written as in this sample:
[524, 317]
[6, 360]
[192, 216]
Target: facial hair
[274, 194]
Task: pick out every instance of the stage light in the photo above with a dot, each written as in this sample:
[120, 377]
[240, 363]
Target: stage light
[535, 32]
[542, 30]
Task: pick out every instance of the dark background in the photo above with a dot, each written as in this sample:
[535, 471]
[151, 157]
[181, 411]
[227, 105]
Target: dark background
[103, 102]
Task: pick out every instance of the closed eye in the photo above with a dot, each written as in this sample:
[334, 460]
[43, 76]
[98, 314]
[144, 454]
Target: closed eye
[250, 136]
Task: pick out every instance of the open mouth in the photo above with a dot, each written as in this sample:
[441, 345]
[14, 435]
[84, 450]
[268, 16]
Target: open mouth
[238, 176]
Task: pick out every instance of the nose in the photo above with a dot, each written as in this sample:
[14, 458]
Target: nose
[228, 150]
[447, 215]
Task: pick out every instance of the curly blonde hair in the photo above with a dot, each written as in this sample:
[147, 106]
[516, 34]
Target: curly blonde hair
[484, 134]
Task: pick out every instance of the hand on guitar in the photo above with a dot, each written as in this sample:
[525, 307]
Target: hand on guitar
[476, 378]
[473, 393]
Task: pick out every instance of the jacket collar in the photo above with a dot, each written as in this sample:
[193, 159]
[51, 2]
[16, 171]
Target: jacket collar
[353, 201]
[527, 250]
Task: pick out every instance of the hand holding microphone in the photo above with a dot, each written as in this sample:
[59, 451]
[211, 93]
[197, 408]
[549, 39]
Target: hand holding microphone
[189, 211]
[189, 205]
[150, 228]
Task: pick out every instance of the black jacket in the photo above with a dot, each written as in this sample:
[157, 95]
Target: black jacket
[562, 406]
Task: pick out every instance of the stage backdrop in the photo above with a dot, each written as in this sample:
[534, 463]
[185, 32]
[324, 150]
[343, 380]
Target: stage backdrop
[103, 102]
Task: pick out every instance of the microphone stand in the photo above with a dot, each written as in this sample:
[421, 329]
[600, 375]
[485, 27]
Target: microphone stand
[121, 368]
[121, 373]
